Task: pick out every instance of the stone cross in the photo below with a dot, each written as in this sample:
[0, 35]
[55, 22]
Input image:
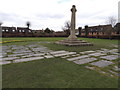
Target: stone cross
[73, 20]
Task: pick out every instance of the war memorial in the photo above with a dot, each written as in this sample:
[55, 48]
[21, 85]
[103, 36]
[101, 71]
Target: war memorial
[70, 62]
[72, 39]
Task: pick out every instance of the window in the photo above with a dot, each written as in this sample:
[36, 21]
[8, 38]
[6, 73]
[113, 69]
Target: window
[19, 30]
[3, 30]
[23, 30]
[13, 30]
[6, 30]
[29, 31]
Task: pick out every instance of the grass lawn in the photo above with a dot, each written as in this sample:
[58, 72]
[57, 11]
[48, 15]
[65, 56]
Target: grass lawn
[56, 72]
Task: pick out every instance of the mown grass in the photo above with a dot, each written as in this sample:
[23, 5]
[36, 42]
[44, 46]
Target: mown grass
[97, 44]
[34, 38]
[53, 73]
[56, 72]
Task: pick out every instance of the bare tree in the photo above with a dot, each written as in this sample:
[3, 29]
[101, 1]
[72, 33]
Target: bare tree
[1, 23]
[1, 26]
[0, 30]
[111, 20]
[66, 27]
[28, 24]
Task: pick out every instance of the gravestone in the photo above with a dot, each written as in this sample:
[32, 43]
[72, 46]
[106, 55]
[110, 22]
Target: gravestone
[72, 39]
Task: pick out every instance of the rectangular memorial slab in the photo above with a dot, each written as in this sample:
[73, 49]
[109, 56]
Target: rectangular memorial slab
[115, 73]
[91, 68]
[110, 57]
[4, 53]
[4, 62]
[58, 52]
[15, 55]
[9, 51]
[96, 54]
[5, 47]
[114, 50]
[86, 52]
[48, 56]
[116, 68]
[104, 49]
[1, 56]
[67, 56]
[9, 58]
[86, 60]
[44, 51]
[63, 54]
[30, 55]
[27, 59]
[39, 54]
[102, 63]
[22, 51]
[31, 46]
[33, 55]
[18, 47]
[76, 58]
[114, 53]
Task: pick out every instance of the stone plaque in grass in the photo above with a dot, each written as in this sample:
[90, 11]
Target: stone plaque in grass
[96, 54]
[86, 60]
[19, 54]
[110, 57]
[102, 63]
[116, 68]
[86, 52]
[4, 62]
[27, 51]
[27, 59]
[9, 58]
[58, 52]
[76, 58]
[48, 56]
[114, 50]
[115, 73]
[64, 54]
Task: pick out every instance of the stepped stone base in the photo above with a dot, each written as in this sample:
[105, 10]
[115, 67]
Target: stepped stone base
[73, 42]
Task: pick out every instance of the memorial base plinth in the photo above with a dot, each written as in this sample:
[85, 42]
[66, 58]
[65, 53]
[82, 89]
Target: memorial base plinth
[73, 42]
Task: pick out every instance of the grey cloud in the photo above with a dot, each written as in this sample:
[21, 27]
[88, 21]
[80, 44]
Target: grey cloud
[90, 14]
[55, 16]
[8, 17]
[12, 18]
[62, 1]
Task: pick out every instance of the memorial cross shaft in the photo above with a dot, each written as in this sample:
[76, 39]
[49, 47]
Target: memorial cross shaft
[73, 23]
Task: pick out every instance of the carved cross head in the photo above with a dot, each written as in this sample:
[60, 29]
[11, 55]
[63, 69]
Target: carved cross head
[73, 8]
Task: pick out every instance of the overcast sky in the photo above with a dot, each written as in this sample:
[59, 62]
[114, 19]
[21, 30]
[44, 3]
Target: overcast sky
[54, 13]
[119, 12]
